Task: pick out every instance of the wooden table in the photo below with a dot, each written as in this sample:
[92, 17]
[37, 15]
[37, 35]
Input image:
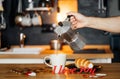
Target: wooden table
[112, 71]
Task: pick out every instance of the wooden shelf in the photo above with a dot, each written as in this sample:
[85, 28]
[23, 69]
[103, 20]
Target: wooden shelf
[39, 9]
[66, 49]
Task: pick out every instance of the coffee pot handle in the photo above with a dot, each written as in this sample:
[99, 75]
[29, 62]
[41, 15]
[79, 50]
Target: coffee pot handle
[68, 17]
[27, 15]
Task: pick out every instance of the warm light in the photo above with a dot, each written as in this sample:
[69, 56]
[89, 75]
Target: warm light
[60, 17]
[66, 6]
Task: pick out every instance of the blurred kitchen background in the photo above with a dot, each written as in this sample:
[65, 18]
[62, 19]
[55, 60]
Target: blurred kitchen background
[42, 34]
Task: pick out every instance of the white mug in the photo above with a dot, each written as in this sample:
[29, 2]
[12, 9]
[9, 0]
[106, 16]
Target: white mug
[57, 62]
[36, 19]
[26, 20]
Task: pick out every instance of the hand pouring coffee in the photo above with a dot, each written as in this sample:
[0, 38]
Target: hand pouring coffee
[72, 38]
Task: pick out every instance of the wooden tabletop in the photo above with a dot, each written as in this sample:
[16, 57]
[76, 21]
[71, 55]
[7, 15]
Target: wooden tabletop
[112, 71]
[65, 49]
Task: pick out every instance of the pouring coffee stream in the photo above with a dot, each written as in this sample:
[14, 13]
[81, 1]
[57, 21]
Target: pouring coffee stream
[68, 35]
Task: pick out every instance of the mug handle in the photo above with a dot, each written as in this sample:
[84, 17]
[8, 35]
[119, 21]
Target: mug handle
[27, 15]
[47, 57]
[35, 14]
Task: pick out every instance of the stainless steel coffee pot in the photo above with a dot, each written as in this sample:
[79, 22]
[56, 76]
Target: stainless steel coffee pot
[70, 36]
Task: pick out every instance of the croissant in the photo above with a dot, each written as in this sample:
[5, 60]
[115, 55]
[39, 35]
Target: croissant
[81, 62]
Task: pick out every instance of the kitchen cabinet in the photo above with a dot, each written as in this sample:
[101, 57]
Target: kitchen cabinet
[114, 10]
[34, 34]
[113, 7]
[115, 46]
[97, 8]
